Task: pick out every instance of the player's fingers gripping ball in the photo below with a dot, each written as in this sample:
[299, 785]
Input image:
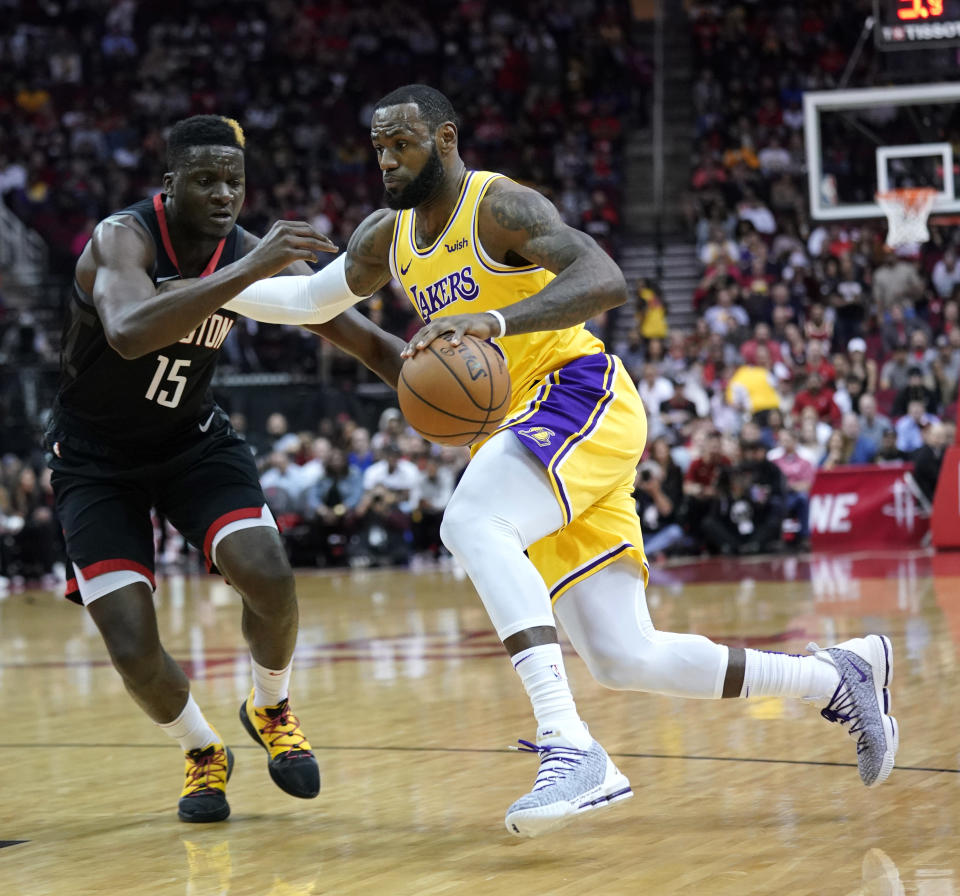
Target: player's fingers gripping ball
[455, 394]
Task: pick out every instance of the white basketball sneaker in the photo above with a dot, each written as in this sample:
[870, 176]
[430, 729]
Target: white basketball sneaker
[570, 781]
[862, 698]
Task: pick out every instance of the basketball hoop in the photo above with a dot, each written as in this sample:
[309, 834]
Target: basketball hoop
[907, 210]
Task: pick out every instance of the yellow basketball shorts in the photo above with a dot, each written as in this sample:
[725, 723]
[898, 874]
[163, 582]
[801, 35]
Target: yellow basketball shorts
[586, 424]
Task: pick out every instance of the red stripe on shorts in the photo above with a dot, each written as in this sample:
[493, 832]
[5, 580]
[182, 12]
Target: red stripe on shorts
[245, 513]
[103, 566]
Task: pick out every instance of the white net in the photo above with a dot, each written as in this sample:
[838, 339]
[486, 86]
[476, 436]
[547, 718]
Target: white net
[907, 211]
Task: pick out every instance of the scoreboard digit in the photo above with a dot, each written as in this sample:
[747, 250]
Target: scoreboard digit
[917, 24]
[919, 9]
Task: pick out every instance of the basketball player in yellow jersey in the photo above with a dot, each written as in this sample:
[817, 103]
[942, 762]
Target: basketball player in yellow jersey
[542, 519]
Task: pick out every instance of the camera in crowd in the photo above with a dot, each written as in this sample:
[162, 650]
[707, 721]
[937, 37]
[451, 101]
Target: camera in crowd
[649, 470]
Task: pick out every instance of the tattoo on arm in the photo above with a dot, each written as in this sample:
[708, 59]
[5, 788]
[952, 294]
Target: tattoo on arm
[536, 232]
[588, 281]
[367, 254]
[527, 211]
[556, 308]
[363, 243]
[559, 250]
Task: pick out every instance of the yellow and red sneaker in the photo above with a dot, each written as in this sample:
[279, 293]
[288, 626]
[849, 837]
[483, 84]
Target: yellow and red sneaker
[292, 765]
[204, 796]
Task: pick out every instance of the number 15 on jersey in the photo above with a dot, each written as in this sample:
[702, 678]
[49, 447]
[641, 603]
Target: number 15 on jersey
[171, 378]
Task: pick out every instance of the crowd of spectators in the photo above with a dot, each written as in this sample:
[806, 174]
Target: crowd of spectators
[88, 89]
[30, 540]
[545, 93]
[346, 496]
[814, 346]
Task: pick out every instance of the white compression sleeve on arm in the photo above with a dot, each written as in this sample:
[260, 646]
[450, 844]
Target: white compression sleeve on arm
[313, 299]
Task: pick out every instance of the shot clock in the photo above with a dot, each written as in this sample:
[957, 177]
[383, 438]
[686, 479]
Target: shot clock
[917, 24]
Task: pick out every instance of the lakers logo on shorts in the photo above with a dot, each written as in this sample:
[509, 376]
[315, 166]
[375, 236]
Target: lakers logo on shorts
[539, 434]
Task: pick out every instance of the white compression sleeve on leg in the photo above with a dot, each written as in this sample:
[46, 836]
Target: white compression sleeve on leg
[313, 299]
[503, 503]
[606, 619]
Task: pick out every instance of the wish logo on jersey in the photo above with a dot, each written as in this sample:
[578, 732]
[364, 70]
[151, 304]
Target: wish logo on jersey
[455, 286]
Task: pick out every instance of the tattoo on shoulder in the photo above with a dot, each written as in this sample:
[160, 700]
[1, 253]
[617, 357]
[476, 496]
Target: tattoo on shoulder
[369, 236]
[527, 211]
[362, 242]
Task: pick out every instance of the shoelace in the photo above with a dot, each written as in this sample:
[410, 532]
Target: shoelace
[841, 709]
[283, 725]
[204, 768]
[555, 761]
[841, 706]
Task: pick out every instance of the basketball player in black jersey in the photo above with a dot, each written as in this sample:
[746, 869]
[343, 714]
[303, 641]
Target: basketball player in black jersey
[135, 427]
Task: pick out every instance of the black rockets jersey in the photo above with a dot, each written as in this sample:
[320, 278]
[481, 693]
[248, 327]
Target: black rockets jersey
[159, 399]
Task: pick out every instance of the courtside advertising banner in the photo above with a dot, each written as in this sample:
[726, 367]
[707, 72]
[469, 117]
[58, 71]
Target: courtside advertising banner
[863, 507]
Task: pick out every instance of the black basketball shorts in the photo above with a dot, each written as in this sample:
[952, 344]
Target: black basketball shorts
[104, 498]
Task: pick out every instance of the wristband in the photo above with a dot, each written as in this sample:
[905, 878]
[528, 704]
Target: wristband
[501, 321]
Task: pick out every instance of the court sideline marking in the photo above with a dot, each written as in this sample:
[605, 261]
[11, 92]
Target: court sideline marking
[402, 749]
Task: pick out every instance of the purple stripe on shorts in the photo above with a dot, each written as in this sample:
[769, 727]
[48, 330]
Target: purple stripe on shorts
[607, 381]
[579, 395]
[593, 564]
[520, 419]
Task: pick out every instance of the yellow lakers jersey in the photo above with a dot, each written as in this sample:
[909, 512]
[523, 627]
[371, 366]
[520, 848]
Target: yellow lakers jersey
[455, 276]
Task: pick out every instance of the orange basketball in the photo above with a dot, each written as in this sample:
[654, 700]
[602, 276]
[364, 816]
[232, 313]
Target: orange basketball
[454, 394]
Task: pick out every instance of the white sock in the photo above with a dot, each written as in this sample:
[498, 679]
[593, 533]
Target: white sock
[785, 675]
[270, 686]
[190, 729]
[541, 670]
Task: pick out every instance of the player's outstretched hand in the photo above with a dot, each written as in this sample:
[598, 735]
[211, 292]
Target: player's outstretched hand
[285, 243]
[483, 326]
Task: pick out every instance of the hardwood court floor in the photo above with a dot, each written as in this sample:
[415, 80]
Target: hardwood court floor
[410, 704]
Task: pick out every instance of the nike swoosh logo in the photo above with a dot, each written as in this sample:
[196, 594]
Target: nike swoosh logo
[859, 671]
[205, 426]
[165, 279]
[403, 270]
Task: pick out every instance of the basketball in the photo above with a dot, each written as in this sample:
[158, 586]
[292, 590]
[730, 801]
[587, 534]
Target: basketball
[455, 394]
